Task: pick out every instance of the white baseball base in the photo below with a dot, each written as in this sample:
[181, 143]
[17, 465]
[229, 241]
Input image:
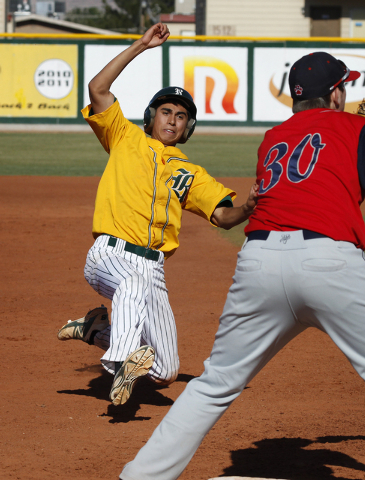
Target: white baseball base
[244, 478]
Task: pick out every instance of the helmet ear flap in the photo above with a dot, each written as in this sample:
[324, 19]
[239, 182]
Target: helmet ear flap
[190, 127]
[149, 119]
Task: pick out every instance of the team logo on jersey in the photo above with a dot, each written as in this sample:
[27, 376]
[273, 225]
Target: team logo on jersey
[298, 90]
[182, 180]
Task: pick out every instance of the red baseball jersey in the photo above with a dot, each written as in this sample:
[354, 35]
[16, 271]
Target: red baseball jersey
[308, 177]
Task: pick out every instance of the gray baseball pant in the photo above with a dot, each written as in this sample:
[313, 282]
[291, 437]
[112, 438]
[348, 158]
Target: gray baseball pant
[281, 287]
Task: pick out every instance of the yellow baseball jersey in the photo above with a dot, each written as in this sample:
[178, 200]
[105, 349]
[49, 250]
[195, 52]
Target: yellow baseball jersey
[145, 185]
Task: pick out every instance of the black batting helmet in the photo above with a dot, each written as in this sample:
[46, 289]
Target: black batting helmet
[175, 94]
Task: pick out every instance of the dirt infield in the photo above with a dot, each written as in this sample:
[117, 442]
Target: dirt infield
[301, 418]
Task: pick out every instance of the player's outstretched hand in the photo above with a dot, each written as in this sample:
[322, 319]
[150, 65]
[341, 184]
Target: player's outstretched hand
[156, 35]
[252, 197]
[228, 217]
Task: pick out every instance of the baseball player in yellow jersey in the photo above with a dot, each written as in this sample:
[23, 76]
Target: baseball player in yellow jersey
[146, 184]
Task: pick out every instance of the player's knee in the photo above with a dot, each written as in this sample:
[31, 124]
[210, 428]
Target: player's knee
[171, 378]
[166, 378]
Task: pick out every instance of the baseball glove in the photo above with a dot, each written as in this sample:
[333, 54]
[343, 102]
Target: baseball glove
[361, 108]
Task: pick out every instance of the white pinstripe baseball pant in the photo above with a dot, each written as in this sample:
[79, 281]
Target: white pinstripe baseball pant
[141, 312]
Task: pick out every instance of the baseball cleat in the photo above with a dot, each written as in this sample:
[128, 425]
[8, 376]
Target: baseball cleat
[95, 320]
[136, 365]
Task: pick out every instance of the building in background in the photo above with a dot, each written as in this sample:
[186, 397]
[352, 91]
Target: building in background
[46, 16]
[292, 18]
[253, 18]
[47, 8]
[21, 6]
[71, 4]
[50, 8]
[47, 24]
[182, 21]
[179, 24]
[266, 18]
[20, 9]
[285, 18]
[185, 7]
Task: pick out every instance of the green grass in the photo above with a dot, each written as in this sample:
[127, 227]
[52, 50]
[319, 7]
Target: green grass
[80, 154]
[64, 154]
[224, 155]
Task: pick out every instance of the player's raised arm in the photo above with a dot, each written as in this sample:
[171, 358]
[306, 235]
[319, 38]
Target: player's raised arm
[228, 217]
[99, 87]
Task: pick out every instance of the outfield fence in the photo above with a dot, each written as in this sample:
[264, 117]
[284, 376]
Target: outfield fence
[235, 81]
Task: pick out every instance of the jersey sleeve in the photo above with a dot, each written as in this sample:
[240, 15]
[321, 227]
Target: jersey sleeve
[205, 194]
[226, 202]
[109, 126]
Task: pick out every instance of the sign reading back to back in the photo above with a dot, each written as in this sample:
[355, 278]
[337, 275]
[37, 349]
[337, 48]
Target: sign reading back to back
[271, 98]
[216, 77]
[38, 80]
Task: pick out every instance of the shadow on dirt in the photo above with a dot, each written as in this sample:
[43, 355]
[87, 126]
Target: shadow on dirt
[287, 458]
[145, 392]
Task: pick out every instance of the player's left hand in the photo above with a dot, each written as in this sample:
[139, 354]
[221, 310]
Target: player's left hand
[155, 35]
[361, 108]
[228, 217]
[253, 197]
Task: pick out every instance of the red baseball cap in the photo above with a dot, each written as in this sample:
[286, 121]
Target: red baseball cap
[318, 74]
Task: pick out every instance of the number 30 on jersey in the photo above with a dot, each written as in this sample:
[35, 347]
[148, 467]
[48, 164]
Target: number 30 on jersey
[277, 153]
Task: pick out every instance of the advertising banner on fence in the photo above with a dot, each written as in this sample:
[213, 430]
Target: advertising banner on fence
[138, 83]
[216, 77]
[38, 80]
[271, 96]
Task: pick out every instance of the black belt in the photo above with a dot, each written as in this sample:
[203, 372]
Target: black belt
[147, 253]
[263, 235]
